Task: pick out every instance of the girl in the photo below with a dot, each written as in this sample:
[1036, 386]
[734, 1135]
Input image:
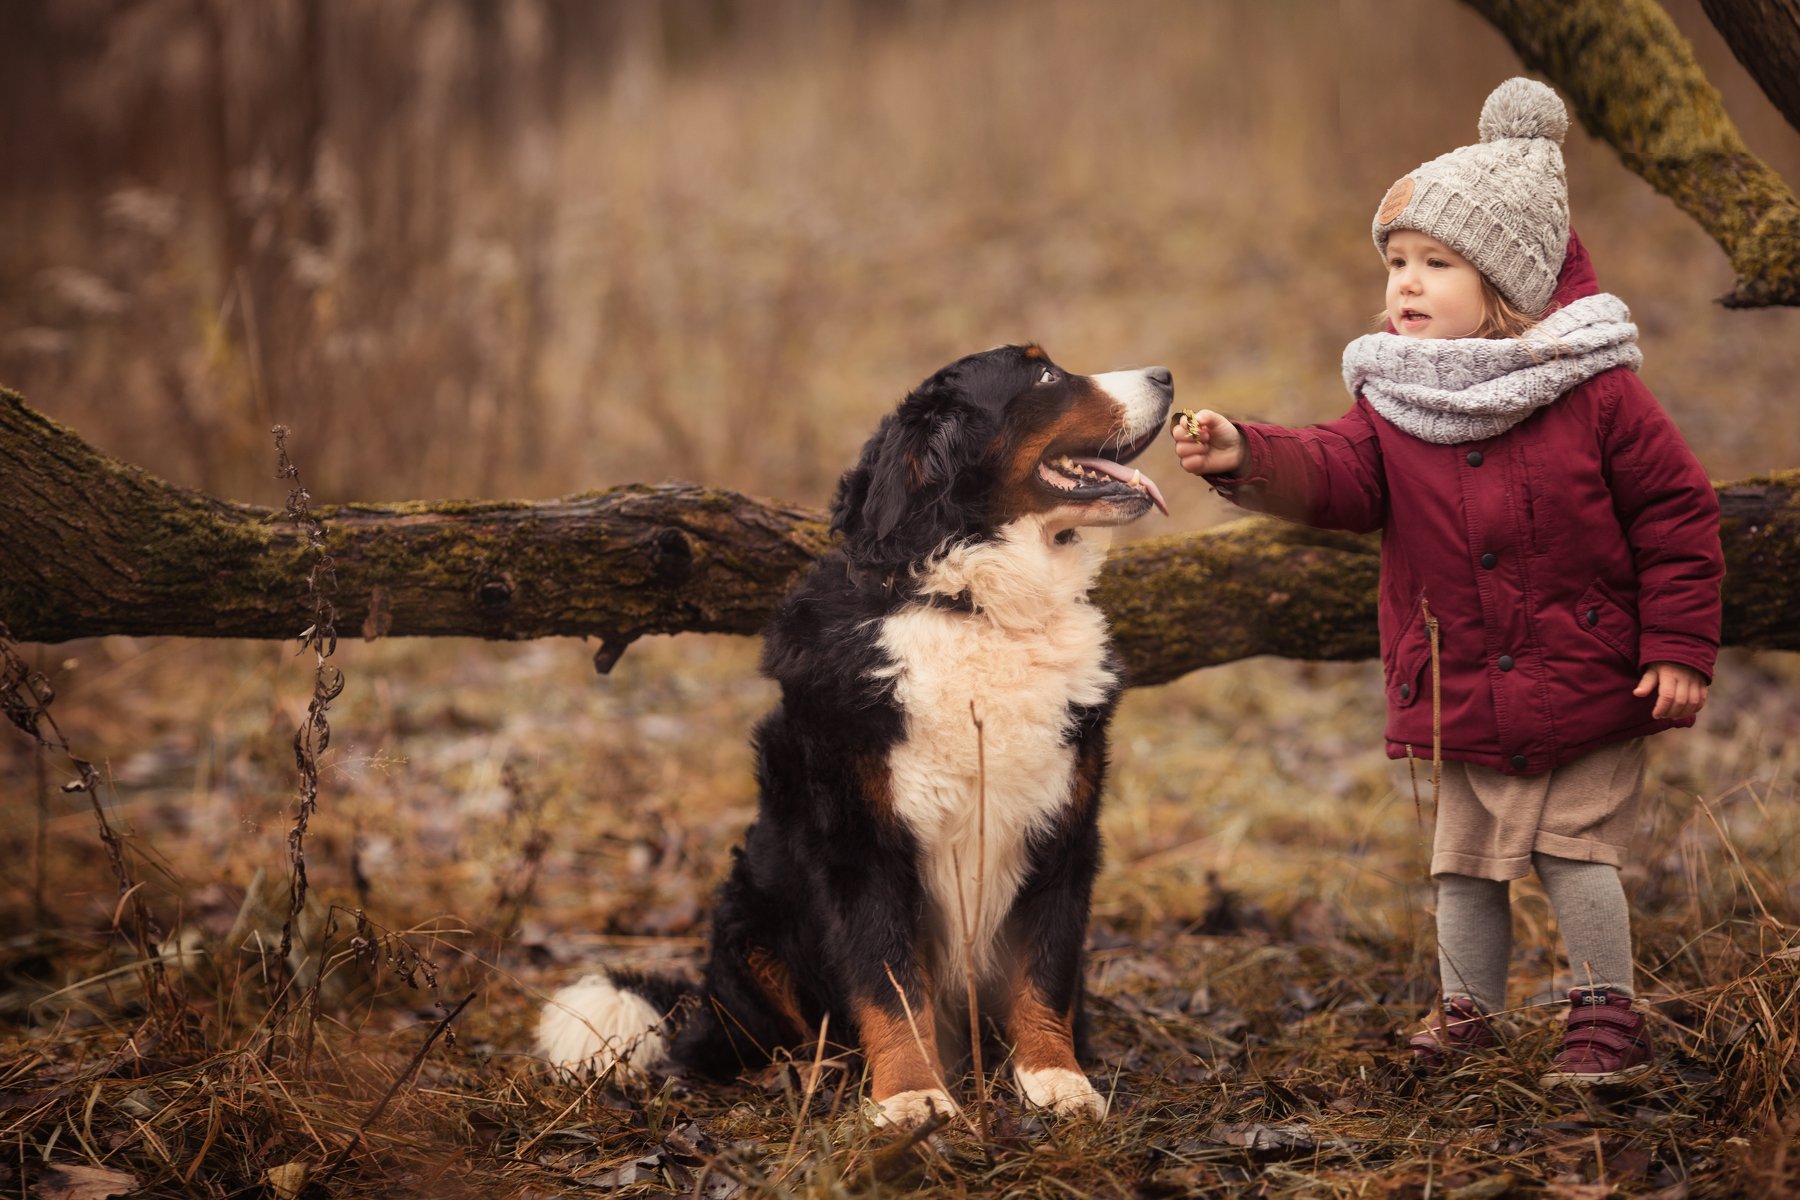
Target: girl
[1550, 562]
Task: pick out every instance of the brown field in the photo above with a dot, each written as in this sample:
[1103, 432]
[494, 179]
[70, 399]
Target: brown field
[528, 249]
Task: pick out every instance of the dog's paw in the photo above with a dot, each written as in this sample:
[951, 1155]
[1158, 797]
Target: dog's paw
[905, 1110]
[1066, 1093]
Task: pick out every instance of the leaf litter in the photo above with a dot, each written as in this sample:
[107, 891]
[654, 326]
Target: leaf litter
[1254, 960]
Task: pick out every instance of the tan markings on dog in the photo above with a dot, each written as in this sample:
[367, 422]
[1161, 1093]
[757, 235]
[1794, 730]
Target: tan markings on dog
[1042, 1038]
[915, 471]
[899, 1061]
[770, 975]
[1084, 788]
[873, 779]
[1035, 352]
[1091, 424]
[1396, 200]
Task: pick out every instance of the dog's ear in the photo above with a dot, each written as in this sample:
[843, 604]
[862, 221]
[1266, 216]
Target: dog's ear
[898, 497]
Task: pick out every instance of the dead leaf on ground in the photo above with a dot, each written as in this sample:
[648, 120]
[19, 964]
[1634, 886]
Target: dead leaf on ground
[288, 1179]
[82, 1183]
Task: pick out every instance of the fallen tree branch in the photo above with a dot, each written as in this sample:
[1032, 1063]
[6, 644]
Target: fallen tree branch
[1764, 35]
[90, 546]
[1633, 81]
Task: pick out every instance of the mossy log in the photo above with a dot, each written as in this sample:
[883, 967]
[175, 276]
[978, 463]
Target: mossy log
[90, 545]
[1633, 81]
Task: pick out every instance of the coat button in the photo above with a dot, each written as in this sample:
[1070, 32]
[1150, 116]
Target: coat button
[1474, 458]
[1506, 662]
[1593, 616]
[1406, 691]
[1490, 561]
[1518, 762]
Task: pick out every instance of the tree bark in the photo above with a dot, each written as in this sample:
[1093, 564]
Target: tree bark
[90, 546]
[1633, 82]
[1765, 37]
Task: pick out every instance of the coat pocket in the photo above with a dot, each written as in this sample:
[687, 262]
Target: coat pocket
[1409, 668]
[1604, 614]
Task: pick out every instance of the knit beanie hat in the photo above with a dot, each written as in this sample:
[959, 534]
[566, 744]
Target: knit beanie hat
[1502, 203]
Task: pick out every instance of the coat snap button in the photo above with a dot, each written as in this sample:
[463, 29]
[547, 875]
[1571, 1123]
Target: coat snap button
[1474, 458]
[1406, 691]
[1490, 561]
[1506, 662]
[1518, 762]
[1593, 616]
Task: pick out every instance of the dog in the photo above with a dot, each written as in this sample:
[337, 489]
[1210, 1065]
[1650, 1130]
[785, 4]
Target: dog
[930, 780]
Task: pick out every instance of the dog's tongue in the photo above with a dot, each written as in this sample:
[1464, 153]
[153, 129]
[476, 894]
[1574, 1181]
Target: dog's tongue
[1135, 477]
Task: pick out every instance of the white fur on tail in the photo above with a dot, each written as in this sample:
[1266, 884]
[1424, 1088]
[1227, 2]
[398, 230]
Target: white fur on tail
[594, 1023]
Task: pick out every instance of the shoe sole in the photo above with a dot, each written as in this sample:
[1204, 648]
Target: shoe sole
[1595, 1078]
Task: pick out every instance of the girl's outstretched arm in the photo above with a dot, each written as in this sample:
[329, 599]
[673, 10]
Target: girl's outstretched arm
[1327, 475]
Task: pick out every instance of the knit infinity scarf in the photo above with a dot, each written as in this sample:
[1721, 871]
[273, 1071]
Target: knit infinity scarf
[1450, 390]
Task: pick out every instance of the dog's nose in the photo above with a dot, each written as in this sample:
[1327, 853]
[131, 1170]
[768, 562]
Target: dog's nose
[1162, 377]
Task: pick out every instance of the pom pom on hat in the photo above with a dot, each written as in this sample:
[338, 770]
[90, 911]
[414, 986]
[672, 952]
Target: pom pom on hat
[1523, 108]
[1502, 203]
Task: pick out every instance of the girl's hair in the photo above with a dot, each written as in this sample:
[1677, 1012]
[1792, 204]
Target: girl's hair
[1500, 318]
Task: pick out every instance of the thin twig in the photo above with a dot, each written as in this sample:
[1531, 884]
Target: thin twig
[437, 1030]
[806, 1095]
[25, 699]
[912, 1023]
[1730, 848]
[968, 927]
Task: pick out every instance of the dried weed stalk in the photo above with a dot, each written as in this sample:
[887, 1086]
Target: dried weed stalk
[314, 734]
[968, 926]
[25, 699]
[513, 890]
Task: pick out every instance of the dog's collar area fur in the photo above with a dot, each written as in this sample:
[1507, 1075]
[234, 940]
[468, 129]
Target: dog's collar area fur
[962, 602]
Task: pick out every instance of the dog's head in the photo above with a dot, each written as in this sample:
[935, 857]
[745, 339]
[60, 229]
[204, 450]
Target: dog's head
[999, 436]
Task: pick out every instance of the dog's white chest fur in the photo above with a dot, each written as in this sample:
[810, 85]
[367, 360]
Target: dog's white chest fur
[1034, 648]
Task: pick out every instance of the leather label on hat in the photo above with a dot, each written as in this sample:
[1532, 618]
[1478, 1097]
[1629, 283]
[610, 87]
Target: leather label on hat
[1396, 200]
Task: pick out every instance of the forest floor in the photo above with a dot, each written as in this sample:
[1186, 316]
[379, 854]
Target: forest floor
[494, 819]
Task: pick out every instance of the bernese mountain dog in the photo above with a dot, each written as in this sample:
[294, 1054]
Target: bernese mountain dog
[930, 780]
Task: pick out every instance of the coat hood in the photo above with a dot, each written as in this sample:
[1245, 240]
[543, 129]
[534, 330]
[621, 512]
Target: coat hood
[1576, 279]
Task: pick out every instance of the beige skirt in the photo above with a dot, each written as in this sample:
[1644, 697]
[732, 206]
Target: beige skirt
[1490, 824]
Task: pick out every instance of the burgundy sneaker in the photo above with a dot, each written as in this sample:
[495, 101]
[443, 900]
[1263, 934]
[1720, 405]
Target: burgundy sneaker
[1458, 1028]
[1605, 1041]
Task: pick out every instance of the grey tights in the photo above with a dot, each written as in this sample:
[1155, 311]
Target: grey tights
[1475, 929]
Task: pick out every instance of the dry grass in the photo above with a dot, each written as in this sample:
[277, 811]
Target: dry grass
[719, 255]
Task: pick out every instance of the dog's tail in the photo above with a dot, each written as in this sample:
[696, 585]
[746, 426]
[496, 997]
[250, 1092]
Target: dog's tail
[613, 1017]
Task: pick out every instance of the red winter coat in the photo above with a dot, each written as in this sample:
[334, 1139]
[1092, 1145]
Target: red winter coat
[1559, 559]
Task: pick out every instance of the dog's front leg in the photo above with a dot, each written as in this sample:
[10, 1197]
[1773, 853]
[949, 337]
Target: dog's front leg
[890, 994]
[906, 1079]
[1040, 1024]
[1045, 932]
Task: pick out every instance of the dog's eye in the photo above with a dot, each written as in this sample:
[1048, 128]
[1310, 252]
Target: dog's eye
[1048, 376]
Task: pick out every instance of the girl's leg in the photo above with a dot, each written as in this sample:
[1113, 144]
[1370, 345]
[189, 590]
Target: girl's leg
[1474, 938]
[1590, 907]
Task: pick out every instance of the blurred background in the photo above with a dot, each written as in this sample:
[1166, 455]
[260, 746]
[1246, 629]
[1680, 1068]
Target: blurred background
[474, 248]
[489, 248]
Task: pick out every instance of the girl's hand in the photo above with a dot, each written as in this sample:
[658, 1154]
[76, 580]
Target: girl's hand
[1207, 443]
[1680, 691]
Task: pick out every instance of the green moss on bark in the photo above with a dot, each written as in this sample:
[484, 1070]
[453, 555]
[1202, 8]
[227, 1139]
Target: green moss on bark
[1632, 80]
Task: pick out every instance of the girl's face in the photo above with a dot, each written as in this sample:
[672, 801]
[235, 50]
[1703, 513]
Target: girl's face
[1432, 291]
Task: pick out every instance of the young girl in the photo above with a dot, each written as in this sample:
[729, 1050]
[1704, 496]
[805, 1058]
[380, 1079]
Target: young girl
[1545, 524]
